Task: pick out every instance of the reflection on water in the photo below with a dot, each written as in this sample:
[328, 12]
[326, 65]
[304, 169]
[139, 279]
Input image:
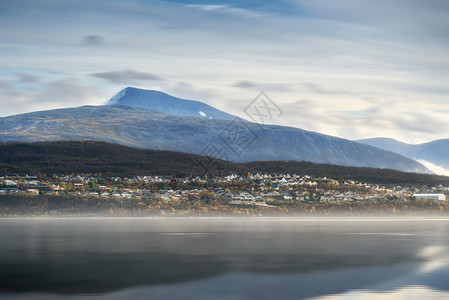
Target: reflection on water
[228, 258]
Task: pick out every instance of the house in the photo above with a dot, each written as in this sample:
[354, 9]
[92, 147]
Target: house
[33, 191]
[126, 195]
[11, 190]
[10, 182]
[441, 197]
[288, 197]
[163, 197]
[32, 183]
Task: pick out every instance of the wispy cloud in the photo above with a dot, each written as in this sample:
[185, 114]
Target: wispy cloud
[65, 92]
[226, 9]
[127, 76]
[261, 86]
[93, 40]
[319, 89]
[27, 78]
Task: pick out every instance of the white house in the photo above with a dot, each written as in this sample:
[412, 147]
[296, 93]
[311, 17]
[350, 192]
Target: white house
[10, 182]
[430, 196]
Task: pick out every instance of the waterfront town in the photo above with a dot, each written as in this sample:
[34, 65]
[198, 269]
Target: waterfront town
[233, 193]
[254, 189]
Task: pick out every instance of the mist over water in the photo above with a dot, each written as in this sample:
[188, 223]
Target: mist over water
[224, 258]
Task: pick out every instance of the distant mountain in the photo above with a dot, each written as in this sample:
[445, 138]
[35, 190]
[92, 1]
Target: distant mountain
[116, 160]
[164, 103]
[386, 144]
[436, 152]
[238, 141]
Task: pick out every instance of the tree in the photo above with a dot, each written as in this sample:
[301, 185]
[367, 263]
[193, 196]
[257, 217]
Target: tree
[161, 186]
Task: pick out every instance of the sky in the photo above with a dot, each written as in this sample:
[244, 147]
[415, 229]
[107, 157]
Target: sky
[348, 68]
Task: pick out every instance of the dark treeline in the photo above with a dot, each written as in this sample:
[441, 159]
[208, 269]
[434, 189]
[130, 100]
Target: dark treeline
[90, 157]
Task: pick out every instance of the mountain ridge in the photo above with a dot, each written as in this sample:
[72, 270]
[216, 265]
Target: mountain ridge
[435, 152]
[147, 129]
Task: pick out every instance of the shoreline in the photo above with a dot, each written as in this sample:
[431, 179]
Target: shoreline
[285, 218]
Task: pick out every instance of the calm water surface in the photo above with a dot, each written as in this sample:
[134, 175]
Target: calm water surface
[227, 258]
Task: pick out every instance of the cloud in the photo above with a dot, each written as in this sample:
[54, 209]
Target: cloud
[261, 86]
[226, 9]
[434, 168]
[92, 40]
[126, 76]
[68, 92]
[245, 84]
[307, 114]
[419, 122]
[381, 118]
[27, 78]
[188, 90]
[319, 89]
[393, 16]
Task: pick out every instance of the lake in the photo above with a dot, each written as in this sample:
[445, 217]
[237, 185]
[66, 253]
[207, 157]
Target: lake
[224, 258]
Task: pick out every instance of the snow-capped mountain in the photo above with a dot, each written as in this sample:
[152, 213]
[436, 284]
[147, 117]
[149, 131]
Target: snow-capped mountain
[161, 102]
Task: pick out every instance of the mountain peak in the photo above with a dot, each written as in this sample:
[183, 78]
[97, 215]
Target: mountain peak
[129, 94]
[165, 103]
